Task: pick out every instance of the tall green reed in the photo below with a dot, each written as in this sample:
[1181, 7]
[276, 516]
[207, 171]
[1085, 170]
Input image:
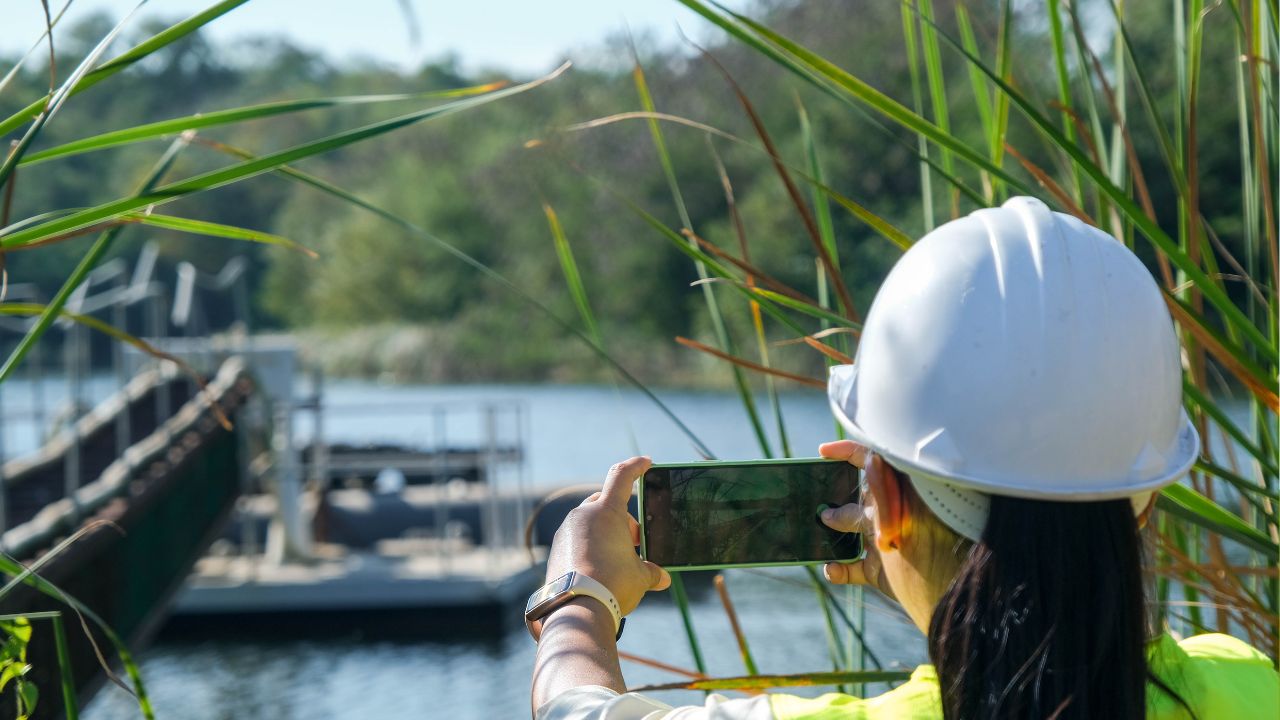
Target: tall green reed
[1234, 337]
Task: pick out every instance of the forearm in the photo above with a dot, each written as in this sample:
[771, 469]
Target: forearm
[577, 648]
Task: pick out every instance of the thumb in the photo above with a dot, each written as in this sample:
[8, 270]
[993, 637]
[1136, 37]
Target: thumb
[659, 579]
[617, 484]
[849, 518]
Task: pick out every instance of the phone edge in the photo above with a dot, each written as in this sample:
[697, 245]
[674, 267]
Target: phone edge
[803, 563]
[644, 544]
[769, 461]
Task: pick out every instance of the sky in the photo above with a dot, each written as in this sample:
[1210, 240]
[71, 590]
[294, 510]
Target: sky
[522, 36]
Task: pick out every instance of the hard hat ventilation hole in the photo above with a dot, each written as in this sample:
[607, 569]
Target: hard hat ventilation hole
[965, 498]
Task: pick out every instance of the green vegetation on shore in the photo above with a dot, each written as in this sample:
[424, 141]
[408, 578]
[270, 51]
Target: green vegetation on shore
[477, 182]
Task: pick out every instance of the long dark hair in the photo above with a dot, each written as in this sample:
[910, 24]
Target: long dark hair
[1046, 617]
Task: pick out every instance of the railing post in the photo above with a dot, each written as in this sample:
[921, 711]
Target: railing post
[36, 363]
[71, 466]
[248, 533]
[319, 445]
[491, 524]
[521, 508]
[120, 317]
[442, 490]
[155, 323]
[290, 538]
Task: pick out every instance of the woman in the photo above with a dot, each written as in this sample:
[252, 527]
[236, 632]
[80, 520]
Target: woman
[1015, 405]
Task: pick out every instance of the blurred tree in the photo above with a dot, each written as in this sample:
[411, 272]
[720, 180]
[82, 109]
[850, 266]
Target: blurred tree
[472, 181]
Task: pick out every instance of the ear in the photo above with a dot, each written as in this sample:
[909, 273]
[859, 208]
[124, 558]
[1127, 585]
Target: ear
[886, 490]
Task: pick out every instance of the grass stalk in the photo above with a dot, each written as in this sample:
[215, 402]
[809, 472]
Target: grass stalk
[875, 222]
[766, 682]
[937, 87]
[917, 98]
[713, 305]
[1064, 87]
[332, 190]
[125, 60]
[573, 278]
[86, 265]
[681, 599]
[70, 707]
[744, 649]
[757, 320]
[829, 624]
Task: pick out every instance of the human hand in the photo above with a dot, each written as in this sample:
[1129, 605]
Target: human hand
[855, 517]
[598, 538]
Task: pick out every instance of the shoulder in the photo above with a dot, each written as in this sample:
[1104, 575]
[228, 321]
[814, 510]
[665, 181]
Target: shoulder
[1217, 675]
[917, 698]
[1217, 646]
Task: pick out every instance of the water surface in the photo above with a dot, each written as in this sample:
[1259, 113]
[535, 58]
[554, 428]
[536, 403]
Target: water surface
[574, 434]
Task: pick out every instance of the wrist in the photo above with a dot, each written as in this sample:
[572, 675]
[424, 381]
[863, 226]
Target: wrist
[583, 609]
[581, 614]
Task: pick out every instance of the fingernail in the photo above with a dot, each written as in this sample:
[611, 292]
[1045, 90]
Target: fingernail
[828, 514]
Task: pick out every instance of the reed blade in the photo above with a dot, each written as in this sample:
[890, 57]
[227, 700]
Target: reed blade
[723, 338]
[467, 259]
[1120, 198]
[1189, 505]
[86, 265]
[250, 168]
[70, 707]
[744, 648]
[57, 98]
[766, 682]
[757, 319]
[937, 87]
[219, 230]
[156, 42]
[235, 116]
[17, 66]
[681, 599]
[573, 278]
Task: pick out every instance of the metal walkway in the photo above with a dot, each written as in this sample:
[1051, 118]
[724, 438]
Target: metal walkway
[230, 502]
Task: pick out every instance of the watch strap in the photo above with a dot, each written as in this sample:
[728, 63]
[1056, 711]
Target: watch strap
[580, 585]
[586, 586]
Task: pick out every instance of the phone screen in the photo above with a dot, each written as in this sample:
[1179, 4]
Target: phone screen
[710, 515]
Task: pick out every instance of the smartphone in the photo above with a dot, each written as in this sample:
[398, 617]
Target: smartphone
[715, 515]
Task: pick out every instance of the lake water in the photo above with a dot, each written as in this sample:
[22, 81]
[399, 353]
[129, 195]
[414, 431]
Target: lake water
[574, 435]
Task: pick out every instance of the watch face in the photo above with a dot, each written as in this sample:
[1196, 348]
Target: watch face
[548, 592]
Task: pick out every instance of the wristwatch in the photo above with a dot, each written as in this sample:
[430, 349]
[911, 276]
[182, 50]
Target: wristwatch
[563, 589]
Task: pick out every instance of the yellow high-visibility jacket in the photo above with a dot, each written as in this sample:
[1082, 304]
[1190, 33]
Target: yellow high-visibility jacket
[1217, 675]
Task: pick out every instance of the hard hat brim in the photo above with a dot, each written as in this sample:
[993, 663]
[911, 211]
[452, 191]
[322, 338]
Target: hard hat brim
[842, 397]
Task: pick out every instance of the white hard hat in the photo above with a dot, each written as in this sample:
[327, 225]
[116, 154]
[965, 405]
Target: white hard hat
[1019, 351]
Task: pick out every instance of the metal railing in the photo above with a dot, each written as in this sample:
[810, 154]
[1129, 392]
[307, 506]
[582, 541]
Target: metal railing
[130, 299]
[433, 439]
[490, 435]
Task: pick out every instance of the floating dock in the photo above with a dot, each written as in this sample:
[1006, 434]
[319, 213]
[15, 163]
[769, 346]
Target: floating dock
[446, 552]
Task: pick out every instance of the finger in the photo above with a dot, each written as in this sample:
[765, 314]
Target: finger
[845, 573]
[634, 527]
[845, 450]
[846, 518]
[659, 579]
[617, 484]
[590, 498]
